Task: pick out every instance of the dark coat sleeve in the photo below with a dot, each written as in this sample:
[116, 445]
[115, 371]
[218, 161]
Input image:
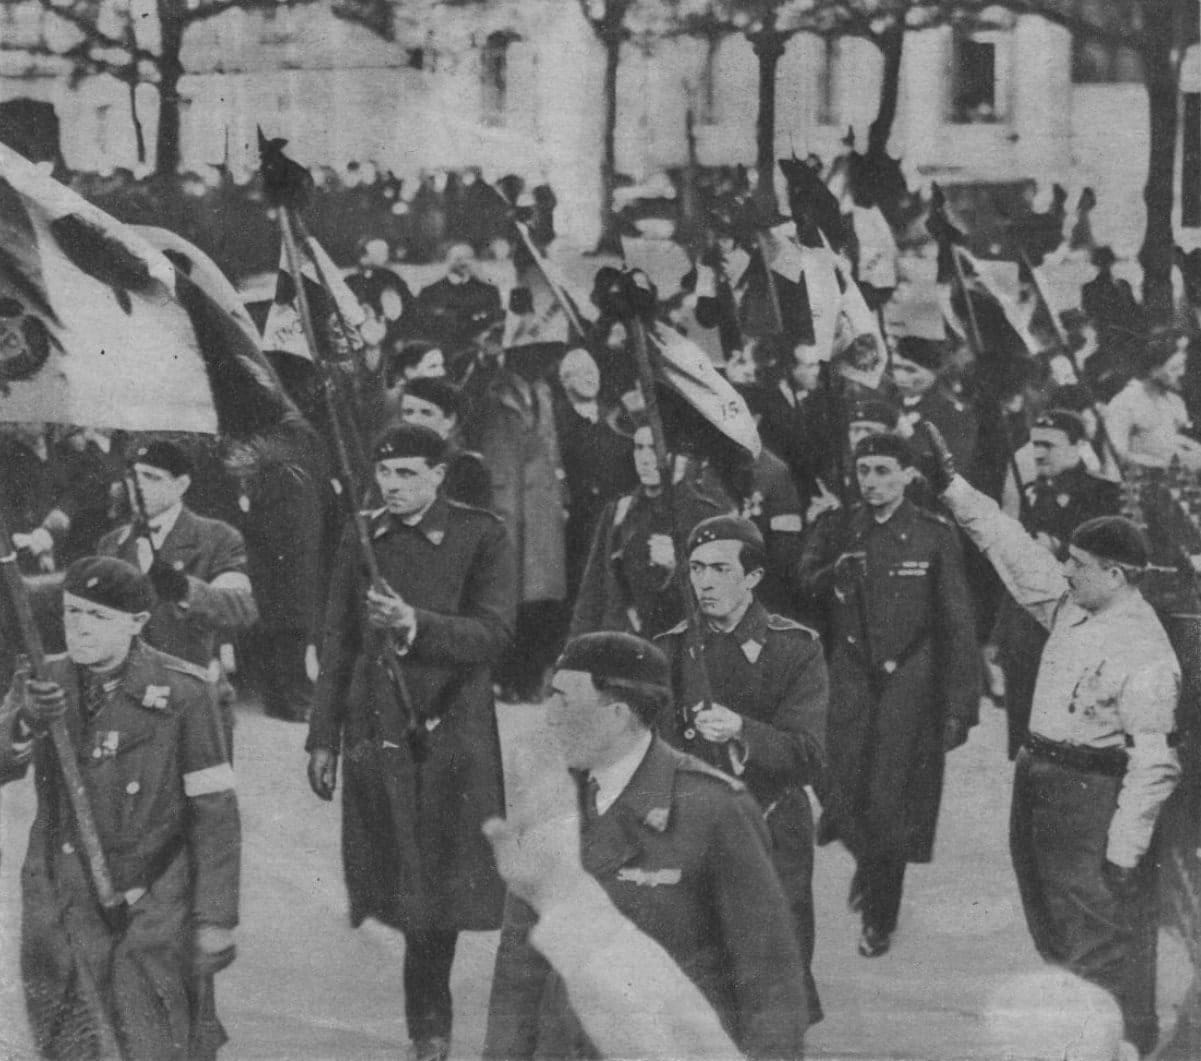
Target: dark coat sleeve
[959, 660]
[340, 643]
[819, 553]
[223, 607]
[518, 984]
[484, 626]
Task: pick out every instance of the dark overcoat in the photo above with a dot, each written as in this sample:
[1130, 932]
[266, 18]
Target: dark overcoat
[683, 854]
[157, 775]
[903, 659]
[412, 849]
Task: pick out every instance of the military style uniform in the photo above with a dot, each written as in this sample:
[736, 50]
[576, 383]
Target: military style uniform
[903, 660]
[454, 315]
[683, 854]
[1055, 507]
[1096, 769]
[413, 852]
[771, 671]
[158, 777]
[621, 589]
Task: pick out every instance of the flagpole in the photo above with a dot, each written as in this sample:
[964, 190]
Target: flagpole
[629, 301]
[409, 727]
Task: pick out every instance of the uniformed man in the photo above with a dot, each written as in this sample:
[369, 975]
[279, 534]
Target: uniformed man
[456, 310]
[1063, 495]
[904, 676]
[1099, 760]
[629, 581]
[765, 719]
[680, 848]
[196, 565]
[412, 807]
[158, 777]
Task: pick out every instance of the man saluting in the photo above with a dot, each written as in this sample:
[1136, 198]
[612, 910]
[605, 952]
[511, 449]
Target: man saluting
[157, 775]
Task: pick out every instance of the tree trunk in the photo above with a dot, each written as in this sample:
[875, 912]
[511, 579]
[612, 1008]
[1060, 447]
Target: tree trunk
[171, 15]
[891, 44]
[610, 234]
[1162, 101]
[769, 47]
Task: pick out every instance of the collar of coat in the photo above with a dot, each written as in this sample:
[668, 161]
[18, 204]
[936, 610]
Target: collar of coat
[898, 525]
[142, 677]
[184, 532]
[432, 524]
[750, 635]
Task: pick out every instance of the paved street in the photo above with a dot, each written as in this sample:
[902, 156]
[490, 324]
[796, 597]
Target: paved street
[306, 986]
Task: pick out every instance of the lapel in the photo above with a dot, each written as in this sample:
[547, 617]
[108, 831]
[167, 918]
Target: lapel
[616, 838]
[182, 540]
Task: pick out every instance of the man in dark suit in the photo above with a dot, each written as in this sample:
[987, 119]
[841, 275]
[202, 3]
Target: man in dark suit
[413, 806]
[456, 310]
[679, 847]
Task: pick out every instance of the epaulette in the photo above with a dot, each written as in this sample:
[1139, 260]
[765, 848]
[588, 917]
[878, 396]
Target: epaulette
[622, 510]
[473, 508]
[183, 666]
[696, 766]
[934, 517]
[782, 622]
[372, 514]
[680, 628]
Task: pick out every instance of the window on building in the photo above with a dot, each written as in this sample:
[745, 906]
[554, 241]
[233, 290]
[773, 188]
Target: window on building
[494, 78]
[1096, 62]
[977, 93]
[828, 110]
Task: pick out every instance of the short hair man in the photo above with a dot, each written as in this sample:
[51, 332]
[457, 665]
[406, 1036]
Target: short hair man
[414, 856]
[681, 850]
[765, 721]
[904, 672]
[1099, 760]
[161, 789]
[457, 310]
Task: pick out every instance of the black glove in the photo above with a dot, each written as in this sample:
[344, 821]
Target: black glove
[170, 583]
[1121, 880]
[44, 703]
[954, 733]
[944, 464]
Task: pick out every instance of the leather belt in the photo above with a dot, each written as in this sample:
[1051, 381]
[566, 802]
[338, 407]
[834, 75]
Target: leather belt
[1111, 762]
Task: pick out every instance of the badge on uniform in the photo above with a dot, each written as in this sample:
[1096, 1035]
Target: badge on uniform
[156, 696]
[649, 878]
[106, 745]
[1062, 500]
[912, 568]
[656, 818]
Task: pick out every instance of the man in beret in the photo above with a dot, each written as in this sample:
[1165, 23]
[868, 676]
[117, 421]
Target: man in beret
[749, 697]
[157, 776]
[439, 404]
[1099, 760]
[904, 676]
[413, 805]
[680, 848]
[1062, 495]
[196, 565]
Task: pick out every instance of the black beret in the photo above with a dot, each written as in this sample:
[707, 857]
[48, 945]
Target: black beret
[928, 353]
[876, 412]
[726, 528]
[165, 455]
[111, 582]
[1066, 420]
[410, 440]
[1113, 538]
[1162, 344]
[617, 656]
[437, 391]
[885, 446]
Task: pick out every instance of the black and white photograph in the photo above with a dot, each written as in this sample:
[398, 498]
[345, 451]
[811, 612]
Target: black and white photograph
[554, 530]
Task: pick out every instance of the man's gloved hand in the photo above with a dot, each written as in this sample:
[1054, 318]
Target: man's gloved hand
[170, 583]
[944, 464]
[954, 734]
[44, 703]
[213, 949]
[1121, 880]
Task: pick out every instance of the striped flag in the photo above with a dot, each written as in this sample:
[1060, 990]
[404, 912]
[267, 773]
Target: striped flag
[99, 328]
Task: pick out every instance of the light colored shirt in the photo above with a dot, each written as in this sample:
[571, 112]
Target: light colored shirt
[611, 780]
[1108, 679]
[1145, 424]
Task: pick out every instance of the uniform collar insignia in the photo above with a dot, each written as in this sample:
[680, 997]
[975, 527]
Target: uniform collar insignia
[751, 650]
[656, 818]
[156, 696]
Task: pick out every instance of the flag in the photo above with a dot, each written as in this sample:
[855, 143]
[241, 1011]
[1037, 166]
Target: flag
[554, 312]
[1004, 329]
[336, 312]
[98, 327]
[684, 368]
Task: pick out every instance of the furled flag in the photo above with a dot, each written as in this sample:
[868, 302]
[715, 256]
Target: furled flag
[552, 312]
[336, 312]
[98, 328]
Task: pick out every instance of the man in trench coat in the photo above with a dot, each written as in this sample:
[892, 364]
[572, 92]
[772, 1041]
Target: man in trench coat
[904, 676]
[413, 851]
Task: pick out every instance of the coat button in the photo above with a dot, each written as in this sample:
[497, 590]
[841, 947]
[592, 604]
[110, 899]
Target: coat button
[890, 665]
[689, 733]
[96, 753]
[68, 848]
[133, 788]
[851, 640]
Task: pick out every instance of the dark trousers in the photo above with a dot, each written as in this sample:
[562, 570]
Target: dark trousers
[1020, 640]
[880, 881]
[279, 669]
[1058, 832]
[428, 958]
